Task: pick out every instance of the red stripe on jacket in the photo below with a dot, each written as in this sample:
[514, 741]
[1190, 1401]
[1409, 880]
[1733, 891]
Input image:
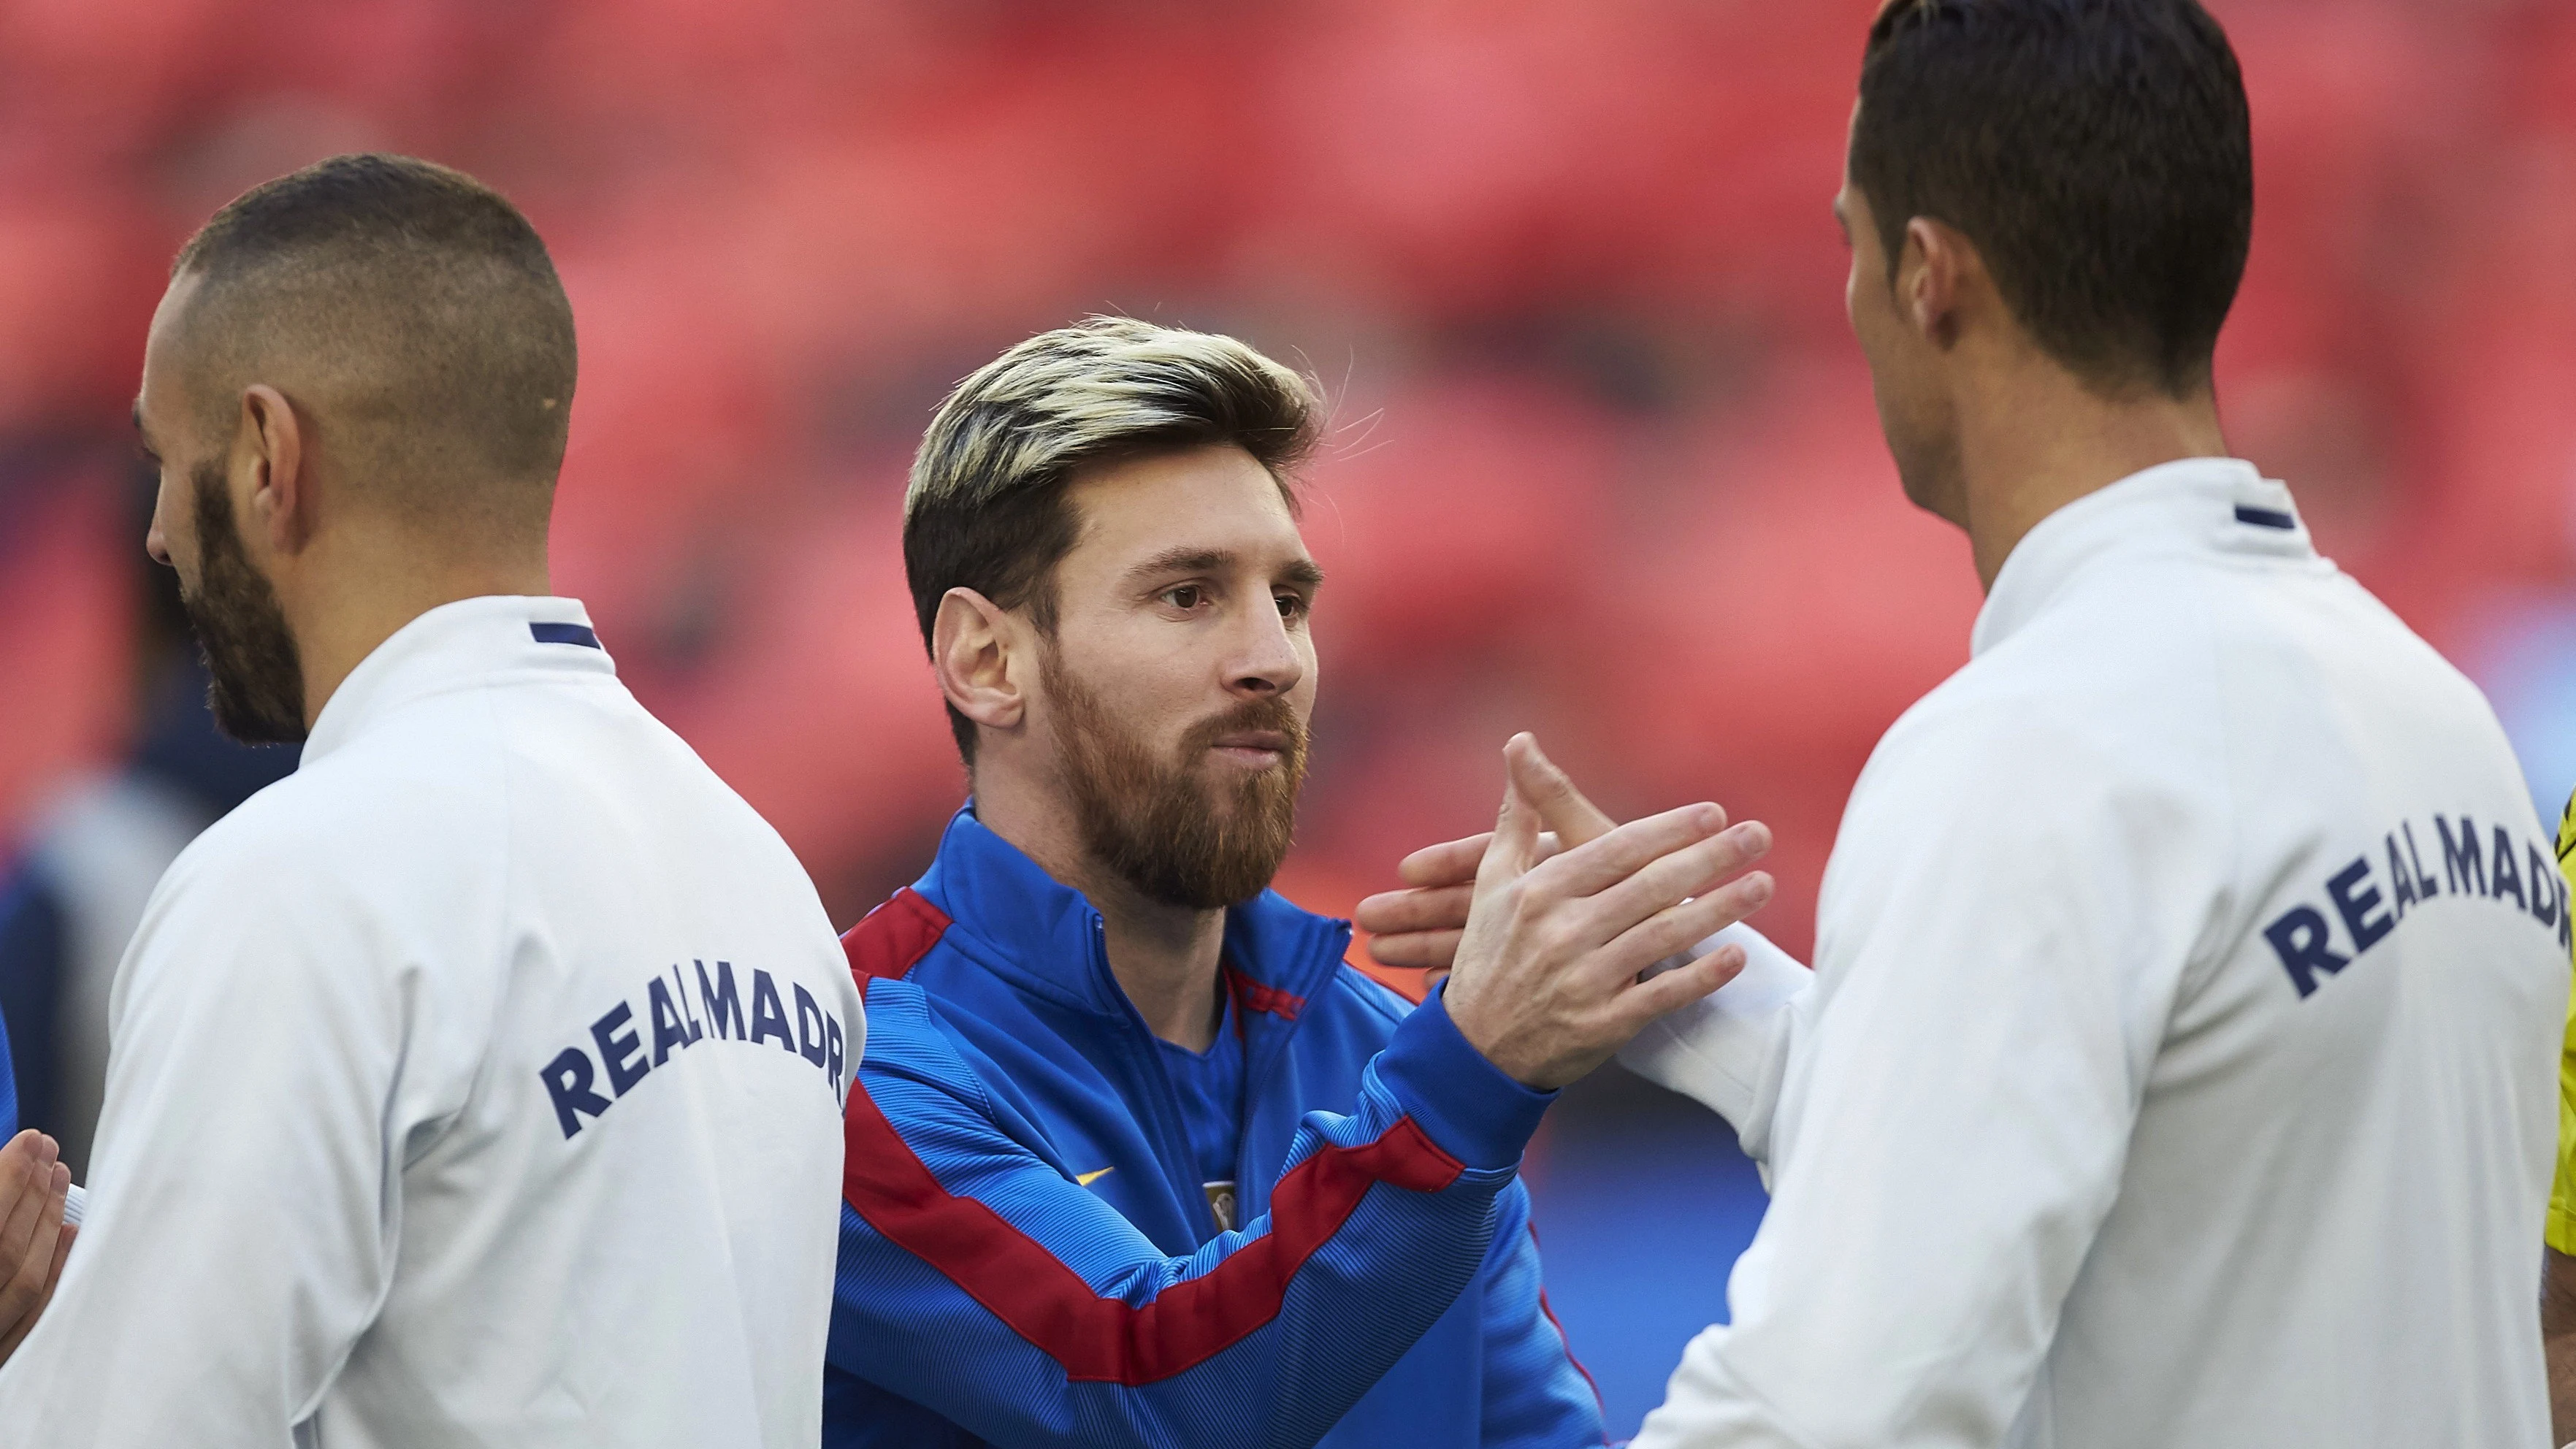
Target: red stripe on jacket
[1250, 996]
[1105, 1340]
[894, 937]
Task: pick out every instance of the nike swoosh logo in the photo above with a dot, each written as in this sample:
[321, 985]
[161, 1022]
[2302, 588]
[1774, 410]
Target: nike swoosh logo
[1086, 1179]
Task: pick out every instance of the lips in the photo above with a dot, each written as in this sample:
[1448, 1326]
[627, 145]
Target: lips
[1270, 740]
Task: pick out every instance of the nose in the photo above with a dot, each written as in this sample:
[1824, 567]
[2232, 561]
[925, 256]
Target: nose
[154, 543]
[1270, 662]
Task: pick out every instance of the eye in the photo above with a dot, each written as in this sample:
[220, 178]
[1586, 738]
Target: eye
[1292, 606]
[1185, 597]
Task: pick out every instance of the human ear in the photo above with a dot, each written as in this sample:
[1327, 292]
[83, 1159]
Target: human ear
[1928, 280]
[972, 641]
[271, 442]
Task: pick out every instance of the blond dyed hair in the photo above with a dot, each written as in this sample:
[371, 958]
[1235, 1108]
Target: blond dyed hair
[986, 508]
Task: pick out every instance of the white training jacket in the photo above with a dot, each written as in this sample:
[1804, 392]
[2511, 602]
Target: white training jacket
[2179, 1067]
[478, 1084]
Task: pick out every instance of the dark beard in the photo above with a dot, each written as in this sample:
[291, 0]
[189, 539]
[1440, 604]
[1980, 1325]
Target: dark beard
[257, 688]
[1156, 824]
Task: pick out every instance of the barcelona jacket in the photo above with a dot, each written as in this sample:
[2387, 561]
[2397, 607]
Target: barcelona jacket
[1028, 1256]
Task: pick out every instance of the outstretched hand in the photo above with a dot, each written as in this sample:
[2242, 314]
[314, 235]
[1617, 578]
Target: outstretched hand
[1544, 972]
[33, 1240]
[1419, 927]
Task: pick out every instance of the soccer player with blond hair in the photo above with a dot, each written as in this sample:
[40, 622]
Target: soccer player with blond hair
[1135, 1157]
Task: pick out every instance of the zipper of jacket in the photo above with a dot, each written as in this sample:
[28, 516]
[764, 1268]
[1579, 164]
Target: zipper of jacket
[1171, 1138]
[1274, 1050]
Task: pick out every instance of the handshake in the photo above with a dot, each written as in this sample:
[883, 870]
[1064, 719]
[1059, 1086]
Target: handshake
[1549, 924]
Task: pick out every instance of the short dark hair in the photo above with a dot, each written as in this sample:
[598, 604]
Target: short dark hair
[987, 509]
[2097, 152]
[424, 296]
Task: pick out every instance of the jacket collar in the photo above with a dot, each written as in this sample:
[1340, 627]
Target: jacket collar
[2208, 506]
[468, 642]
[1046, 934]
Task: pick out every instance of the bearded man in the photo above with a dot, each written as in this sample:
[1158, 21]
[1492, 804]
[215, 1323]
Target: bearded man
[423, 1123]
[1134, 1157]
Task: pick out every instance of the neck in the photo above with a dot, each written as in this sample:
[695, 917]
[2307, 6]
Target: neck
[1164, 956]
[352, 603]
[2034, 439]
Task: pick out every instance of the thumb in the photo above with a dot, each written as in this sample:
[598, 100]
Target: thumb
[1550, 791]
[1514, 847]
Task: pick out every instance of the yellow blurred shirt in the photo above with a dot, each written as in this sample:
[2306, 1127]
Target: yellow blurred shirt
[2561, 1231]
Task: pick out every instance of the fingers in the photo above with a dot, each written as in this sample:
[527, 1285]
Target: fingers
[1587, 869]
[32, 1241]
[1687, 872]
[1423, 950]
[1451, 862]
[1392, 913]
[1454, 862]
[1683, 926]
[1550, 791]
[26, 1171]
[1681, 986]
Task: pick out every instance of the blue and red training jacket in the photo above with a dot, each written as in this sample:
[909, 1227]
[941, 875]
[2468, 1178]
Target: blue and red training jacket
[1028, 1256]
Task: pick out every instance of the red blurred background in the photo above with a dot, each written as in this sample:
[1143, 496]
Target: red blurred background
[1604, 466]
[1605, 463]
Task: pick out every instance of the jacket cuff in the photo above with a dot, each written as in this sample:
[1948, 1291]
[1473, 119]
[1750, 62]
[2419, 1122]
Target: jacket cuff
[1466, 1105]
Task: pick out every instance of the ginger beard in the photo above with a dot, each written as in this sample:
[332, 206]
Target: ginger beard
[1175, 830]
[257, 688]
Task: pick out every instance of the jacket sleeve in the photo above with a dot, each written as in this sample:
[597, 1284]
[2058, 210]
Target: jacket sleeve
[1536, 1395]
[976, 1280]
[245, 1181]
[1957, 1107]
[1727, 1051]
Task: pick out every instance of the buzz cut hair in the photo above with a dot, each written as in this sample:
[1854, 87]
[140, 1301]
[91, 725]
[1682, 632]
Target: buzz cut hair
[416, 308]
[987, 508]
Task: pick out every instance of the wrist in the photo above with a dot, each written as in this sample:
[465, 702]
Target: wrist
[1469, 1106]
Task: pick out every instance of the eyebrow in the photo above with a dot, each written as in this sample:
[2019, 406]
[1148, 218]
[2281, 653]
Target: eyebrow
[1305, 573]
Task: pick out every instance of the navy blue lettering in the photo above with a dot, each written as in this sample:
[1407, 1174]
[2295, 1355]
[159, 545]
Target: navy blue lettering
[2460, 862]
[2562, 913]
[2501, 872]
[616, 1050]
[2367, 930]
[2544, 901]
[768, 1013]
[680, 992]
[567, 1080]
[833, 1062]
[668, 1030]
[2425, 887]
[2299, 937]
[2401, 892]
[721, 1000]
[810, 1044]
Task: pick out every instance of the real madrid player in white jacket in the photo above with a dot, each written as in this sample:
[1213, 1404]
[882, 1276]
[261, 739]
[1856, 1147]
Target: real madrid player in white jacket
[478, 1084]
[2178, 1069]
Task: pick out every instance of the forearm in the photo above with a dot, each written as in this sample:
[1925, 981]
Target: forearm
[2558, 1341]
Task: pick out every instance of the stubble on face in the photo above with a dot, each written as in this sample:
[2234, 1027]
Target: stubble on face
[1161, 824]
[257, 688]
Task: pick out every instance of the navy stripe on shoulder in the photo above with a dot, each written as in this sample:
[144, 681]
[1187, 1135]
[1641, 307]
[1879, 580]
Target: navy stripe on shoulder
[2265, 517]
[565, 634]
